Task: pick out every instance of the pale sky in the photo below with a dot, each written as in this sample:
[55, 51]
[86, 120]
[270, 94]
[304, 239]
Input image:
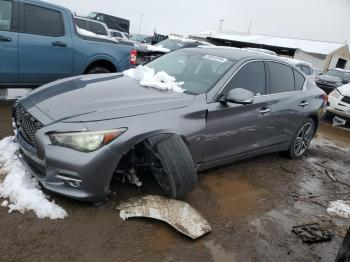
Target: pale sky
[327, 20]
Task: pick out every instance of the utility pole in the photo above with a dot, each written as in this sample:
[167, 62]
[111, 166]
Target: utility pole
[250, 26]
[140, 23]
[221, 24]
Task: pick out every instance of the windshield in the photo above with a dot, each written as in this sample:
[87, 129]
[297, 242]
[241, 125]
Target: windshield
[171, 44]
[342, 75]
[198, 71]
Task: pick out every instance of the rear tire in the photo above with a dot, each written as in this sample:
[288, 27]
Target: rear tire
[177, 174]
[98, 70]
[301, 140]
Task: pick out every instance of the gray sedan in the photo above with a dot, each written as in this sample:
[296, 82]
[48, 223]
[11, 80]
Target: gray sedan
[76, 134]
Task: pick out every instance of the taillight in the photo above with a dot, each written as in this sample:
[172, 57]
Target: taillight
[325, 99]
[133, 57]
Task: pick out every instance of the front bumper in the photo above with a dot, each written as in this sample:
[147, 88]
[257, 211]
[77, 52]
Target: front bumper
[78, 175]
[338, 107]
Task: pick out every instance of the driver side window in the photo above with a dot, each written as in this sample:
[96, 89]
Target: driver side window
[5, 15]
[250, 77]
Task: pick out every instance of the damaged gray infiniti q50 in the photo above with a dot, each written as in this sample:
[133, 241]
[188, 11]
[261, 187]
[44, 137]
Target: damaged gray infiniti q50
[184, 112]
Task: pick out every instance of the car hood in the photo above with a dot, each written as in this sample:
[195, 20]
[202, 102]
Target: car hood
[101, 97]
[329, 79]
[344, 90]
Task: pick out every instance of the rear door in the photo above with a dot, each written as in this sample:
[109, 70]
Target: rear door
[233, 129]
[45, 45]
[285, 103]
[8, 42]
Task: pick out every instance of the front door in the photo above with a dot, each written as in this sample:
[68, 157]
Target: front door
[8, 42]
[45, 45]
[234, 129]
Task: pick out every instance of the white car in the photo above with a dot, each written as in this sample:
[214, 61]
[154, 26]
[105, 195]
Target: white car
[339, 102]
[118, 34]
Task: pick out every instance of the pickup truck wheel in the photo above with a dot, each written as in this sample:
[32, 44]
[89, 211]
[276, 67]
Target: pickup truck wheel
[301, 140]
[175, 171]
[98, 70]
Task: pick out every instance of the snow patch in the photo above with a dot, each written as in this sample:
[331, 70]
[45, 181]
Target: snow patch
[149, 78]
[339, 208]
[20, 188]
[91, 34]
[154, 48]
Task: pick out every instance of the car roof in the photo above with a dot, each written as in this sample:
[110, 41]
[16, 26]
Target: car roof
[236, 53]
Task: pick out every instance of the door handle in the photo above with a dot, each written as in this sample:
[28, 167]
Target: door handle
[5, 39]
[304, 103]
[59, 43]
[264, 110]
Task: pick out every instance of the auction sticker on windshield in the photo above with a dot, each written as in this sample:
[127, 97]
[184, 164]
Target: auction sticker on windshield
[215, 58]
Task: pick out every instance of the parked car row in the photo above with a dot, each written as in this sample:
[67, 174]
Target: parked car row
[333, 79]
[41, 42]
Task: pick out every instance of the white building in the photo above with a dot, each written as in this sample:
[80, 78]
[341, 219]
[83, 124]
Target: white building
[323, 55]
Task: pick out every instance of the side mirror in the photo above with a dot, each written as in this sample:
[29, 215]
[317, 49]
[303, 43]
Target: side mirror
[238, 96]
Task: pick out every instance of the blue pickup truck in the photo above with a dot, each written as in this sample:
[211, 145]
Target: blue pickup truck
[40, 43]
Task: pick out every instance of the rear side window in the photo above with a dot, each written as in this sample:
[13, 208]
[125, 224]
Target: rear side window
[81, 23]
[299, 80]
[306, 70]
[96, 28]
[281, 78]
[311, 70]
[250, 77]
[5, 15]
[116, 34]
[42, 21]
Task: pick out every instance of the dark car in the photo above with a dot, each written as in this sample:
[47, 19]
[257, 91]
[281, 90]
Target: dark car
[333, 79]
[76, 134]
[112, 22]
[148, 53]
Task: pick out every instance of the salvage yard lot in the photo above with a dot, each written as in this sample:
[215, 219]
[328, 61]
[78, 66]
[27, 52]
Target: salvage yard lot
[251, 205]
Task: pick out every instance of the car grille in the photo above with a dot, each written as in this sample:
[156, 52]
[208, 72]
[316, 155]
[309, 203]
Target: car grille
[346, 99]
[27, 125]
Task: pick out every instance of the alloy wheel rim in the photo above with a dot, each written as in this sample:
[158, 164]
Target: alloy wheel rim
[303, 139]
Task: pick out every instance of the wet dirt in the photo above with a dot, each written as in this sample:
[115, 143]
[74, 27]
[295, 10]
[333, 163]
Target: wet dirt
[251, 205]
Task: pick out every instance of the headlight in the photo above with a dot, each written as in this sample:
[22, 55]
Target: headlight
[86, 141]
[335, 93]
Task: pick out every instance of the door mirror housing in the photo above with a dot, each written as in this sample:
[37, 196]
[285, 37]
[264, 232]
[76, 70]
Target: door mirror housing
[238, 96]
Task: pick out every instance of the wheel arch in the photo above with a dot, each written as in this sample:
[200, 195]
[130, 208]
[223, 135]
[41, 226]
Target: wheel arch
[102, 60]
[316, 120]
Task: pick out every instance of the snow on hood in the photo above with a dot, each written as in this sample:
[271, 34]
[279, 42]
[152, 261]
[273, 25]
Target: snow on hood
[149, 78]
[154, 48]
[345, 90]
[22, 191]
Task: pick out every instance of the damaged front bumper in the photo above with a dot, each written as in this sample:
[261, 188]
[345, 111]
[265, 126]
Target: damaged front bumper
[78, 175]
[178, 214]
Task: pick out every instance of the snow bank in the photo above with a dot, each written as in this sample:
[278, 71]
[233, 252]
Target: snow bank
[339, 208]
[154, 48]
[91, 34]
[20, 188]
[85, 32]
[148, 77]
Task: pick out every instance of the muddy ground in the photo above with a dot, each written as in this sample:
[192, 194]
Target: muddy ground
[252, 206]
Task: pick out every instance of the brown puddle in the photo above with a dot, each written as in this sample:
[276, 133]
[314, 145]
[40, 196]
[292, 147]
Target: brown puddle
[218, 253]
[235, 197]
[162, 239]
